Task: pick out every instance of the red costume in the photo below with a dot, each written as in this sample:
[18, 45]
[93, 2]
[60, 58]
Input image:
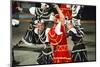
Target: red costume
[59, 45]
[66, 11]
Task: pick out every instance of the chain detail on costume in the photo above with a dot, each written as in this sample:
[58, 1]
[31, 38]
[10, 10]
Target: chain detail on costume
[41, 37]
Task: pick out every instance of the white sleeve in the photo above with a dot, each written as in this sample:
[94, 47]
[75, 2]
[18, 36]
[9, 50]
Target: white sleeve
[73, 30]
[32, 10]
[47, 30]
[36, 30]
[77, 9]
[58, 28]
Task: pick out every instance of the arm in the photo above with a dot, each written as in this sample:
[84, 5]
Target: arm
[31, 45]
[62, 19]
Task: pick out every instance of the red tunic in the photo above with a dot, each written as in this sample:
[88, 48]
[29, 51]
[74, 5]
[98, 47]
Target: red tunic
[59, 46]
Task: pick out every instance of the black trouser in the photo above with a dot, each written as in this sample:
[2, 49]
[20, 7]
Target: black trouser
[79, 53]
[44, 59]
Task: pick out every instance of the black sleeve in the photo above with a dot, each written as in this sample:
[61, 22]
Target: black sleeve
[70, 33]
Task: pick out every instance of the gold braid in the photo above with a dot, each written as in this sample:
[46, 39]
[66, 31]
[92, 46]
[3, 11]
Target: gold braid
[54, 39]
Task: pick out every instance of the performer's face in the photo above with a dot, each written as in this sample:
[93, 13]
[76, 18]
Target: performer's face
[69, 26]
[40, 26]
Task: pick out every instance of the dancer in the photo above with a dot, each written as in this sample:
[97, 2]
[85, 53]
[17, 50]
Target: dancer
[79, 52]
[57, 39]
[36, 38]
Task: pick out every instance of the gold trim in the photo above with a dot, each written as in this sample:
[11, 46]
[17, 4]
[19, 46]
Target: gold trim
[54, 39]
[51, 34]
